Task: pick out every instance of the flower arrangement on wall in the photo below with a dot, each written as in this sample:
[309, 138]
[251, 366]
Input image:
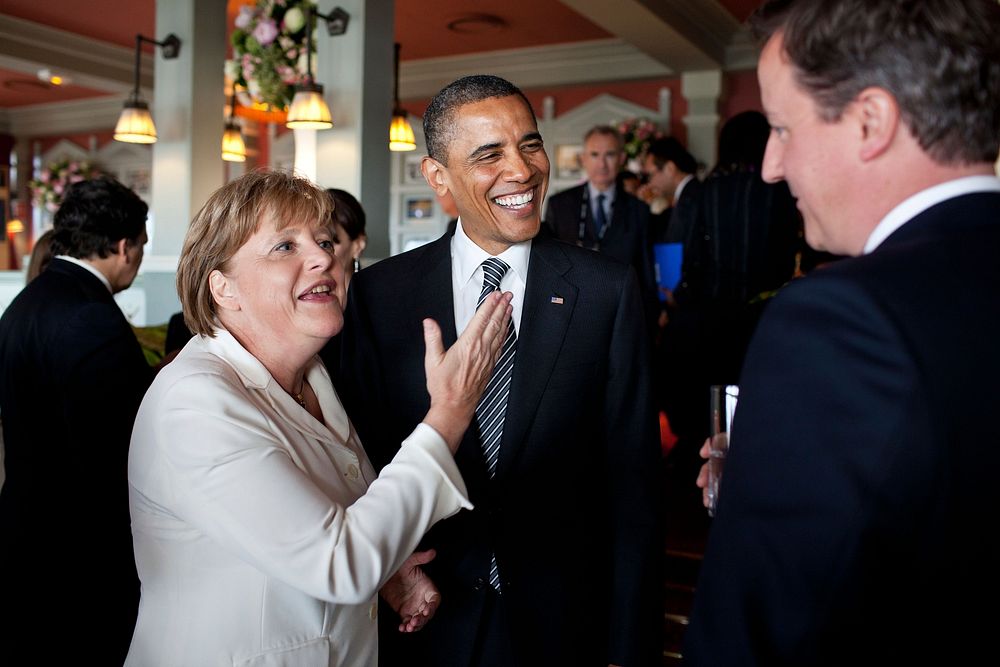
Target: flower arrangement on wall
[269, 53]
[48, 190]
[637, 133]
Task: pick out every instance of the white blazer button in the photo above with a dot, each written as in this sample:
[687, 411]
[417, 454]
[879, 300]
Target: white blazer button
[352, 471]
[373, 612]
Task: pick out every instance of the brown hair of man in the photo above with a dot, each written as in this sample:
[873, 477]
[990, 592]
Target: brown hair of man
[940, 59]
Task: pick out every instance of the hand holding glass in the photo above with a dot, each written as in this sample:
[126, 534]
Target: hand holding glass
[723, 405]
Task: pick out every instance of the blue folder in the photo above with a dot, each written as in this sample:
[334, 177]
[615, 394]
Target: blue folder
[667, 260]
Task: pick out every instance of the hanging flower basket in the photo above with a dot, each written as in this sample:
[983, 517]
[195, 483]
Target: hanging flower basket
[269, 52]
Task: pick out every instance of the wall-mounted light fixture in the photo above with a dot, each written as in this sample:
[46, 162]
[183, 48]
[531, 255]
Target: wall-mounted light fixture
[135, 125]
[400, 133]
[234, 149]
[309, 110]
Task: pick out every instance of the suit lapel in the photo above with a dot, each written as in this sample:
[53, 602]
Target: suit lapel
[434, 282]
[544, 323]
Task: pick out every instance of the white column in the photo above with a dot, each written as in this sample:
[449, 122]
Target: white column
[356, 71]
[702, 91]
[305, 153]
[187, 107]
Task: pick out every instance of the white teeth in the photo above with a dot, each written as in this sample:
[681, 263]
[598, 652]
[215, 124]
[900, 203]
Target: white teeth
[321, 289]
[514, 201]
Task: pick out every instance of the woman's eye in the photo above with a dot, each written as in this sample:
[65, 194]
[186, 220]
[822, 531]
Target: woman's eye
[326, 244]
[284, 247]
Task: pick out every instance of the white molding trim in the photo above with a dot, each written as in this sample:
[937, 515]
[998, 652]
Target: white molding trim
[25, 46]
[56, 118]
[577, 63]
[742, 52]
[590, 61]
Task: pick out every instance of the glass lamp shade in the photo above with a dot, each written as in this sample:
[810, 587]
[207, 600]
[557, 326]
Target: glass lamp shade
[401, 134]
[135, 125]
[309, 110]
[233, 147]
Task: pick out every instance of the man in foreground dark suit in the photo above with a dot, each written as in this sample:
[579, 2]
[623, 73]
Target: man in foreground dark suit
[71, 382]
[857, 506]
[559, 561]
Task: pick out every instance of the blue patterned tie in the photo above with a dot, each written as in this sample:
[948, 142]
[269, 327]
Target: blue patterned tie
[600, 217]
[492, 408]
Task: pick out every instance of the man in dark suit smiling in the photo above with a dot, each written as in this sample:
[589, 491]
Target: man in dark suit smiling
[557, 563]
[856, 511]
[71, 382]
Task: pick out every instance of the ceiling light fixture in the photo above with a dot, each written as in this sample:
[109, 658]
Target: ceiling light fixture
[234, 149]
[309, 110]
[476, 24]
[400, 133]
[135, 124]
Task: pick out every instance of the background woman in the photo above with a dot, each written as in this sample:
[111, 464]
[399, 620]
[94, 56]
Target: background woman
[261, 534]
[349, 220]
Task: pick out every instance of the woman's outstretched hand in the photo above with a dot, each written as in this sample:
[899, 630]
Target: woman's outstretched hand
[456, 378]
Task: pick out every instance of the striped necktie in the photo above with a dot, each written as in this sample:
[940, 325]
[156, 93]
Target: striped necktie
[492, 406]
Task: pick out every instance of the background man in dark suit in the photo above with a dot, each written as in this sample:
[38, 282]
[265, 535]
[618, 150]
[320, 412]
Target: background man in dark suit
[678, 356]
[857, 507]
[600, 215]
[558, 562]
[670, 172]
[71, 382]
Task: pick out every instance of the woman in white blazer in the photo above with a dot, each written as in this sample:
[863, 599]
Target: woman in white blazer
[262, 536]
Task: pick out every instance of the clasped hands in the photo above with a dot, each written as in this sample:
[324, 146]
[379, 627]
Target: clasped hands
[411, 593]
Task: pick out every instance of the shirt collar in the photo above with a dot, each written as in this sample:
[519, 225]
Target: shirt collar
[89, 267]
[467, 256]
[609, 194]
[680, 187]
[913, 206]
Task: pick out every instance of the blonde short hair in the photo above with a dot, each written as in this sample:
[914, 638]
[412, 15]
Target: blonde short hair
[231, 216]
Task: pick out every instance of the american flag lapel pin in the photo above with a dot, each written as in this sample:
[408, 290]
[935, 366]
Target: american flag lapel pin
[558, 300]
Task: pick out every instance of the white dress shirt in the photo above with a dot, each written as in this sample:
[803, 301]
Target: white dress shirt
[680, 187]
[261, 534]
[913, 206]
[467, 276]
[609, 200]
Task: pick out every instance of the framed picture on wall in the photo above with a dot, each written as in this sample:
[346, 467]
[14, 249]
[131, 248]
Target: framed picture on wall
[418, 208]
[411, 169]
[568, 165]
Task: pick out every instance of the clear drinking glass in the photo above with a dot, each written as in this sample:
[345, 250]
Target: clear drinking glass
[723, 405]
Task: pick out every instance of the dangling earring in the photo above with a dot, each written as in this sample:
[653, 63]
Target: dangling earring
[357, 265]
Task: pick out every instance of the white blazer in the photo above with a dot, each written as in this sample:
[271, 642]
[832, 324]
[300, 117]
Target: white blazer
[261, 535]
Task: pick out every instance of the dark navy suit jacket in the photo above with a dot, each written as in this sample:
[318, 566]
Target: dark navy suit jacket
[857, 506]
[573, 512]
[72, 376]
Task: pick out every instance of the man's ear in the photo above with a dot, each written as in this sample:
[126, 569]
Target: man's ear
[120, 246]
[877, 114]
[435, 174]
[222, 291]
